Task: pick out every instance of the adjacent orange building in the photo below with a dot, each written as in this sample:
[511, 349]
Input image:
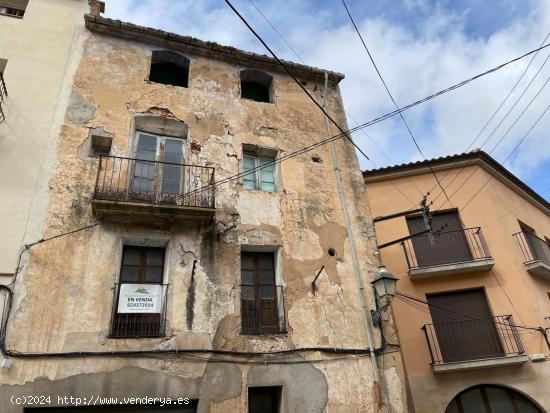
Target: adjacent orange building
[473, 302]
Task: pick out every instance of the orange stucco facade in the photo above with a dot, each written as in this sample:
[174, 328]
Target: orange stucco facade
[499, 207]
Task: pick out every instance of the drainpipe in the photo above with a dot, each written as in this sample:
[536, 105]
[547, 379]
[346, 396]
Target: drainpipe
[356, 267]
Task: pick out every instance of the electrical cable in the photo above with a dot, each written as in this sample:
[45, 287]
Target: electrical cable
[346, 112]
[364, 125]
[393, 100]
[287, 70]
[496, 111]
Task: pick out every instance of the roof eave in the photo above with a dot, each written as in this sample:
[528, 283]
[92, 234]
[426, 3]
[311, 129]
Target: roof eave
[129, 31]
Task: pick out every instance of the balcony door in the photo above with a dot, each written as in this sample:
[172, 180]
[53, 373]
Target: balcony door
[259, 310]
[540, 249]
[464, 326]
[158, 167]
[450, 245]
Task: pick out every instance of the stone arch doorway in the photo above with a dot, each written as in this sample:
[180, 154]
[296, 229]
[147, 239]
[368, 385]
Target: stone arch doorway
[489, 398]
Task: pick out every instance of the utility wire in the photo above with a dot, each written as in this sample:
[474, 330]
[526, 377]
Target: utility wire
[507, 96]
[285, 67]
[366, 124]
[346, 112]
[499, 141]
[277, 31]
[496, 111]
[393, 100]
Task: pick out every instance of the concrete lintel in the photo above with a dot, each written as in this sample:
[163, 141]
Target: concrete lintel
[451, 269]
[539, 268]
[479, 364]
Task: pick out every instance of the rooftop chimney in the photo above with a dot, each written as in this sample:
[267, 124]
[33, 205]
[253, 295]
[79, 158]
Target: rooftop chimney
[96, 7]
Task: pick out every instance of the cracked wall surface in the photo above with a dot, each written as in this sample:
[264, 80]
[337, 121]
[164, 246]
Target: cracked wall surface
[73, 277]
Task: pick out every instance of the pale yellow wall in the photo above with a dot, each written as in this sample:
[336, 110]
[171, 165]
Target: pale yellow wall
[496, 210]
[37, 49]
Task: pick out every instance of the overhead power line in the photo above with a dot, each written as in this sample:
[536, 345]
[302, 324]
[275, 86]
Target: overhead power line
[366, 124]
[344, 133]
[280, 35]
[392, 99]
[497, 143]
[494, 114]
[507, 96]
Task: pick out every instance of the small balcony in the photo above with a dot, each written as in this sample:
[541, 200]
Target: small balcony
[3, 96]
[139, 311]
[452, 252]
[132, 190]
[474, 344]
[536, 254]
[262, 309]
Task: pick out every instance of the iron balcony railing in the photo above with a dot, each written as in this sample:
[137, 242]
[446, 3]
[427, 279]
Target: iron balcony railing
[138, 324]
[3, 96]
[262, 309]
[152, 182]
[474, 339]
[533, 248]
[449, 247]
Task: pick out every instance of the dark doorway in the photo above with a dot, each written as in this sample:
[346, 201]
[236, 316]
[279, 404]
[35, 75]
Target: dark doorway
[464, 326]
[264, 399]
[450, 243]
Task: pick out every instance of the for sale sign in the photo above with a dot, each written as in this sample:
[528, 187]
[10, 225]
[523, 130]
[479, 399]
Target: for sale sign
[140, 298]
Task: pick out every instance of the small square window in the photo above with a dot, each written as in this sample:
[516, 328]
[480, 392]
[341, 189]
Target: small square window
[264, 399]
[259, 171]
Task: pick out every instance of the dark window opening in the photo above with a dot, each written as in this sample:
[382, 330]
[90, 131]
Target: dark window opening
[256, 86]
[169, 68]
[13, 8]
[491, 399]
[264, 399]
[260, 297]
[191, 407]
[142, 314]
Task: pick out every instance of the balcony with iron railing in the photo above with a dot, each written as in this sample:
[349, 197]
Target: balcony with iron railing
[262, 309]
[474, 344]
[136, 189]
[3, 96]
[140, 314]
[447, 253]
[536, 253]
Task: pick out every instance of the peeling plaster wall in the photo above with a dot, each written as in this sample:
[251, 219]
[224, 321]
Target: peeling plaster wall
[48, 36]
[73, 277]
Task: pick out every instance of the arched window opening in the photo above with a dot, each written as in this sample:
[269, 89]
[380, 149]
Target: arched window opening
[257, 86]
[169, 68]
[491, 399]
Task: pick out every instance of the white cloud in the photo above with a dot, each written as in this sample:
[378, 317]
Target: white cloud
[415, 63]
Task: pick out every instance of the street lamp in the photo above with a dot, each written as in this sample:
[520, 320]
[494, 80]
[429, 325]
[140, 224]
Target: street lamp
[384, 286]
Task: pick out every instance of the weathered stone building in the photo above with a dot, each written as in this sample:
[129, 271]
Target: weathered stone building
[179, 259]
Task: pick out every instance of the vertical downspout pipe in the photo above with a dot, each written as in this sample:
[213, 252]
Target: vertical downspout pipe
[356, 266]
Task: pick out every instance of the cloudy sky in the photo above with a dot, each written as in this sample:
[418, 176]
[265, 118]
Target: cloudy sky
[420, 46]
